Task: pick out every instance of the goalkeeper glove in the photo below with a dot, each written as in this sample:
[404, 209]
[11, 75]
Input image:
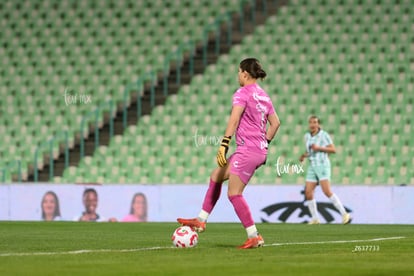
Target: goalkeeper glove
[223, 149]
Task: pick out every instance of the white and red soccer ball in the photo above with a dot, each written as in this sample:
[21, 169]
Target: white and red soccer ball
[184, 236]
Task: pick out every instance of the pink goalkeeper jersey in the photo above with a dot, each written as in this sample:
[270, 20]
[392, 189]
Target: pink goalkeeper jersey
[251, 132]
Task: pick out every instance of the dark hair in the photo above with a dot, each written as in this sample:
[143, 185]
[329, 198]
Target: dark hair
[131, 211]
[90, 190]
[314, 117]
[56, 212]
[253, 67]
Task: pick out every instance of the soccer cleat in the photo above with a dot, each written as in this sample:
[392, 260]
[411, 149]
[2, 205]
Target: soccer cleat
[252, 243]
[314, 221]
[194, 223]
[346, 218]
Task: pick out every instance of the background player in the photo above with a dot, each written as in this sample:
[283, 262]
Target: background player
[318, 145]
[252, 109]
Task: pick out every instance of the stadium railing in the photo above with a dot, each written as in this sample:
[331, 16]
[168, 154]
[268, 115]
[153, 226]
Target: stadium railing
[57, 139]
[49, 146]
[10, 168]
[97, 113]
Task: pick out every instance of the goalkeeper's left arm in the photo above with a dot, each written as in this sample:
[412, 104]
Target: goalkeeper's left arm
[274, 124]
[232, 125]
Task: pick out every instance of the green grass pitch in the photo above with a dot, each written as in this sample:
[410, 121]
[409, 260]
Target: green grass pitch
[72, 248]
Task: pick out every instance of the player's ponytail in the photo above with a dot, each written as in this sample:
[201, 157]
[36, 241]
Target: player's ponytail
[261, 74]
[253, 67]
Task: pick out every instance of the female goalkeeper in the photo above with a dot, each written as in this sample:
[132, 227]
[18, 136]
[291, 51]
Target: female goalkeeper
[318, 145]
[252, 109]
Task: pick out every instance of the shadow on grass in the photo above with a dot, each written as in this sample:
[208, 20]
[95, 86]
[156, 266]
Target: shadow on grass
[222, 245]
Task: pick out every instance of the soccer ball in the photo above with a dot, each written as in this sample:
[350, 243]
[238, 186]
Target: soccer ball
[184, 236]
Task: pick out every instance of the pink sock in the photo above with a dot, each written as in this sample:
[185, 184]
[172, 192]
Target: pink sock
[242, 210]
[212, 195]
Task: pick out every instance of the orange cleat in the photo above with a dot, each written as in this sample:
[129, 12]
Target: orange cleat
[253, 243]
[194, 223]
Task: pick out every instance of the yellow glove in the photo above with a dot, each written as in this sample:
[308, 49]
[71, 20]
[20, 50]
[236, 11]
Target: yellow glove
[221, 154]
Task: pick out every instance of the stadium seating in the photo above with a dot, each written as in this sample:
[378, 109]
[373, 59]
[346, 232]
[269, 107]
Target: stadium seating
[61, 59]
[348, 62]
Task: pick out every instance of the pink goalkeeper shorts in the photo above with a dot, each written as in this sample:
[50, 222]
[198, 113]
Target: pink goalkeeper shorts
[244, 163]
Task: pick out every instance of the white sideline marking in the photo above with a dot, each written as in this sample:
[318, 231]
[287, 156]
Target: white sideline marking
[327, 242]
[85, 251]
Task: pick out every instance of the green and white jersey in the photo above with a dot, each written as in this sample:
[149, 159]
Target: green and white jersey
[321, 139]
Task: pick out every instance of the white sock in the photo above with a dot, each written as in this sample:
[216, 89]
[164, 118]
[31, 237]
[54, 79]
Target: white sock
[337, 203]
[203, 216]
[251, 231]
[312, 208]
